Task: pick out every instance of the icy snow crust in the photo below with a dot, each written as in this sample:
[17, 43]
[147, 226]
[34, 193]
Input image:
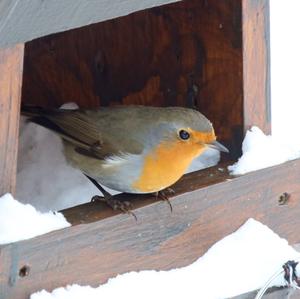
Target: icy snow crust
[261, 151]
[22, 221]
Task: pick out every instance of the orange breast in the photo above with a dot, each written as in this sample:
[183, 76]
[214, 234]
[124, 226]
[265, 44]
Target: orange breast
[164, 166]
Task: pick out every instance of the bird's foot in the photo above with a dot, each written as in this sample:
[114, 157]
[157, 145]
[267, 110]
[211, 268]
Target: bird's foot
[164, 195]
[108, 199]
[115, 204]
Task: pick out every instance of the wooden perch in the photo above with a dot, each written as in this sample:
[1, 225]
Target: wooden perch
[207, 206]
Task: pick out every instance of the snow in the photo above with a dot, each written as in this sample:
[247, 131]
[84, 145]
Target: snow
[44, 179]
[239, 263]
[19, 221]
[209, 158]
[261, 151]
[42, 165]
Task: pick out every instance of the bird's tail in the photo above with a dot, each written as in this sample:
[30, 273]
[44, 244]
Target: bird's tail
[33, 111]
[40, 116]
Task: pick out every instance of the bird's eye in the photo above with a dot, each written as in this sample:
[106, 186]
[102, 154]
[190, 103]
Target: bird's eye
[184, 134]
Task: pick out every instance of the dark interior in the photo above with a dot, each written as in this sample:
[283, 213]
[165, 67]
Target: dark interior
[187, 53]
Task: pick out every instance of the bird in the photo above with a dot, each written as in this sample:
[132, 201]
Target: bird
[131, 149]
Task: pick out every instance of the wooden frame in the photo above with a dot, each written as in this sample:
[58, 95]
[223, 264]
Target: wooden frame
[22, 21]
[256, 56]
[234, 93]
[100, 245]
[11, 66]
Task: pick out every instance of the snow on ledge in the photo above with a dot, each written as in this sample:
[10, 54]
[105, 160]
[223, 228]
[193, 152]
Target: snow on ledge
[261, 151]
[239, 263]
[22, 221]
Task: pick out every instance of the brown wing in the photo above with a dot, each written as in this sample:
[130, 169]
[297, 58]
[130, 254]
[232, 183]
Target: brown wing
[83, 130]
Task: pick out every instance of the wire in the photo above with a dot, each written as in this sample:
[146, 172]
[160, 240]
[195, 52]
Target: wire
[290, 275]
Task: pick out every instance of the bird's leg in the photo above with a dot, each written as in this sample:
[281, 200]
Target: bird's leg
[164, 195]
[109, 199]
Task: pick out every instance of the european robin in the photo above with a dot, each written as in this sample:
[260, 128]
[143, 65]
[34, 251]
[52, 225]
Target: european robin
[132, 149]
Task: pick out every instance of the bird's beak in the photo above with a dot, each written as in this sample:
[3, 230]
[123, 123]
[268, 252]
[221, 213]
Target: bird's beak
[218, 146]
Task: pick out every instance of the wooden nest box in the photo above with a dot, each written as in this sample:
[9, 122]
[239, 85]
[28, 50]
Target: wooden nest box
[208, 54]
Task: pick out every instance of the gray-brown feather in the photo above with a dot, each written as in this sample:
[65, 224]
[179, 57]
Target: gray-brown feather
[109, 144]
[115, 130]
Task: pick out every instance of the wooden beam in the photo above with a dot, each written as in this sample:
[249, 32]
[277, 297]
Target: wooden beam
[256, 64]
[11, 67]
[22, 21]
[207, 206]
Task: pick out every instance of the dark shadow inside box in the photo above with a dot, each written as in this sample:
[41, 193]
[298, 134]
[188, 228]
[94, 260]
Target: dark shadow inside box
[187, 53]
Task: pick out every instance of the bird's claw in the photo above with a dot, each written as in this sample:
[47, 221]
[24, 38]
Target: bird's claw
[98, 198]
[169, 191]
[115, 204]
[163, 195]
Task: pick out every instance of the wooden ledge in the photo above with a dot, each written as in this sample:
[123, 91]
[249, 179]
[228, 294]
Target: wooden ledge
[99, 247]
[91, 212]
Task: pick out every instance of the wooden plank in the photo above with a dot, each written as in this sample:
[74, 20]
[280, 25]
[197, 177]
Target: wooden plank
[256, 64]
[22, 21]
[11, 66]
[207, 205]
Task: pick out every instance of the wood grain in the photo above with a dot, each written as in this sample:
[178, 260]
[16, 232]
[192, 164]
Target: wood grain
[22, 21]
[187, 53]
[207, 206]
[256, 64]
[11, 65]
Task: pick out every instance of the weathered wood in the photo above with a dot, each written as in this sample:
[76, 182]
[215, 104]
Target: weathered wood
[256, 64]
[11, 66]
[91, 252]
[22, 21]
